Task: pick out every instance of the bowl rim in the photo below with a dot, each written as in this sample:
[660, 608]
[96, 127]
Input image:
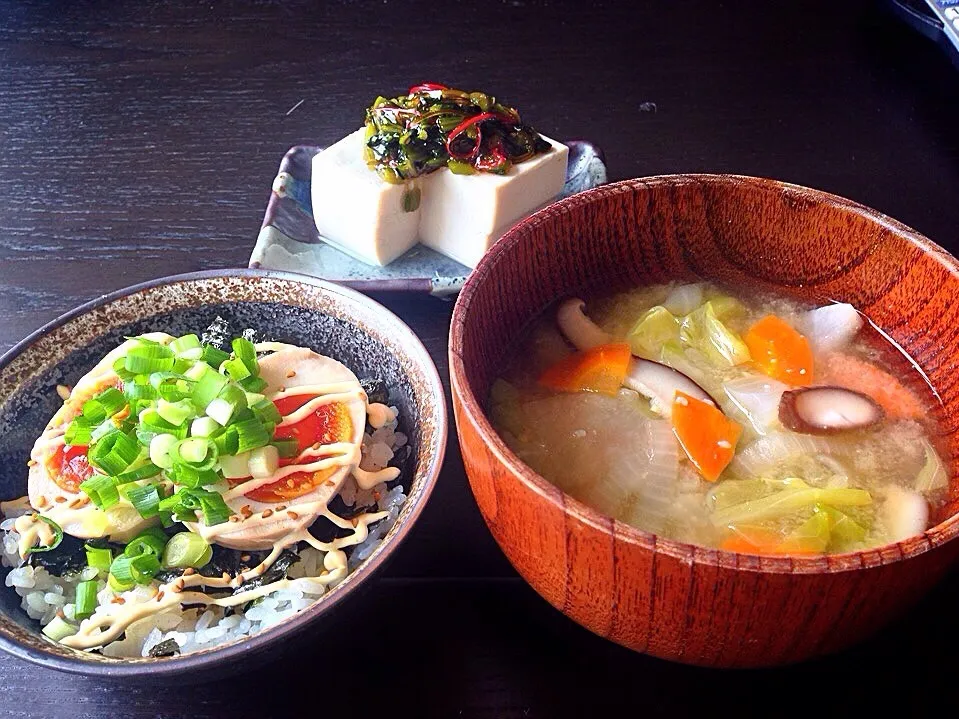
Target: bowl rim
[472, 407]
[121, 668]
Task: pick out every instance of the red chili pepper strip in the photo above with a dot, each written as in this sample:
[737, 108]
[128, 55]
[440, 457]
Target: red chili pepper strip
[427, 87]
[468, 123]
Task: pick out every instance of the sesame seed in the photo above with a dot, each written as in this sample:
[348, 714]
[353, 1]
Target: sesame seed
[118, 600]
[329, 483]
[354, 521]
[244, 557]
[159, 595]
[177, 587]
[267, 513]
[292, 515]
[59, 500]
[31, 462]
[317, 445]
[291, 373]
[188, 571]
[246, 511]
[42, 502]
[724, 444]
[282, 389]
[234, 518]
[281, 508]
[682, 401]
[376, 496]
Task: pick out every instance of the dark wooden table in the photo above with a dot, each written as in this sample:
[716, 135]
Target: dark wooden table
[140, 139]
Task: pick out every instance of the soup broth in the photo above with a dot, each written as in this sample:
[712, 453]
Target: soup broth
[743, 422]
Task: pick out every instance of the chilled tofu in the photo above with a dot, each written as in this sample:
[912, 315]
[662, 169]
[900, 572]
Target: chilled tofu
[460, 216]
[463, 215]
[356, 210]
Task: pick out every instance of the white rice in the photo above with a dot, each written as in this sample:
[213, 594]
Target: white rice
[44, 594]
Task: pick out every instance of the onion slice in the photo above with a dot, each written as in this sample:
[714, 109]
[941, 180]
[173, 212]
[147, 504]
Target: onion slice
[828, 410]
[659, 383]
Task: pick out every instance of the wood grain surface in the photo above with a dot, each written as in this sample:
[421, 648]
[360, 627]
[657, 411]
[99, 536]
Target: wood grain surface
[673, 600]
[141, 139]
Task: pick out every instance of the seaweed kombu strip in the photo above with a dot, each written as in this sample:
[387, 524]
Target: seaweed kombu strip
[68, 556]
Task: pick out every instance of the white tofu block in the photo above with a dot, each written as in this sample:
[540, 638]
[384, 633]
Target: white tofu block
[356, 210]
[463, 215]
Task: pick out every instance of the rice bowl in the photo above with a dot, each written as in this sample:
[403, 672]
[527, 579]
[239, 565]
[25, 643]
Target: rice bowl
[307, 312]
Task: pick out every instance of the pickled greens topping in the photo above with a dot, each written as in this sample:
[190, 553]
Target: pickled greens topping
[434, 126]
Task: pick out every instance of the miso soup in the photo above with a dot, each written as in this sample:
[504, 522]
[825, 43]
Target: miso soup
[747, 423]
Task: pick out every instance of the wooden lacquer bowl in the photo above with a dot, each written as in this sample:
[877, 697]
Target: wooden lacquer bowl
[674, 600]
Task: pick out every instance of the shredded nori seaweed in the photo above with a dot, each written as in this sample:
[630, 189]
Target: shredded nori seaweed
[376, 390]
[68, 556]
[275, 573]
[166, 648]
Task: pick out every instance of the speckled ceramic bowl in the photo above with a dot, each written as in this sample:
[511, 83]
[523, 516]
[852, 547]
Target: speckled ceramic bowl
[332, 320]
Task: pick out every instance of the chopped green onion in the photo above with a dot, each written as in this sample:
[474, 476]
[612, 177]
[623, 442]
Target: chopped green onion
[59, 629]
[235, 466]
[214, 356]
[147, 358]
[102, 490]
[106, 404]
[138, 569]
[114, 452]
[237, 369]
[176, 413]
[171, 386]
[184, 504]
[145, 471]
[120, 367]
[228, 442]
[215, 510]
[187, 549]
[161, 447]
[221, 411]
[98, 557]
[86, 601]
[288, 448]
[149, 541]
[57, 536]
[102, 430]
[117, 586]
[196, 372]
[198, 452]
[244, 351]
[253, 384]
[151, 424]
[79, 432]
[144, 498]
[187, 476]
[250, 435]
[264, 461]
[185, 343]
[266, 411]
[136, 390]
[207, 388]
[204, 427]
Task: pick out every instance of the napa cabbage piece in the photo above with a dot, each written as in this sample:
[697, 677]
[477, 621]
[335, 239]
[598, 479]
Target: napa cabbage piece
[794, 497]
[656, 327]
[703, 330]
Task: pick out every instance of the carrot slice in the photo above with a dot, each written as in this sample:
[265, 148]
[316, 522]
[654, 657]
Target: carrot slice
[600, 369]
[844, 370]
[780, 351]
[752, 540]
[707, 436]
[757, 540]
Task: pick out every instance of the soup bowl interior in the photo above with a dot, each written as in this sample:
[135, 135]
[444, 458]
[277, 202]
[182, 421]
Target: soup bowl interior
[675, 600]
[334, 321]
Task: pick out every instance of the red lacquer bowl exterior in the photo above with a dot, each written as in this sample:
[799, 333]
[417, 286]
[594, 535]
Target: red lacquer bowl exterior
[678, 601]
